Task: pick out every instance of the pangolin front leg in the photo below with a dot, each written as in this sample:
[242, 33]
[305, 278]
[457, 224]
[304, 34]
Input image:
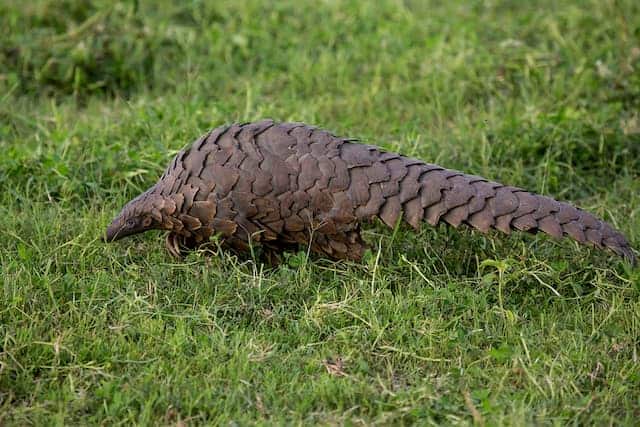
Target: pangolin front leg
[286, 184]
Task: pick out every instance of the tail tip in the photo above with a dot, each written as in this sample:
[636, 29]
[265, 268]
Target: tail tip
[630, 256]
[626, 252]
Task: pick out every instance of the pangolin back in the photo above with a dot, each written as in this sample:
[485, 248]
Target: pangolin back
[284, 184]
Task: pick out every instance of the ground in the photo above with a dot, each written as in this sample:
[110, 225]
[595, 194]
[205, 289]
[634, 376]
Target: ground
[444, 326]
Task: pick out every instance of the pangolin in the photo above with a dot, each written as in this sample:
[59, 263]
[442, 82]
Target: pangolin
[280, 185]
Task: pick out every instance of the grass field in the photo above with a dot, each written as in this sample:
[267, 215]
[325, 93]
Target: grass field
[440, 327]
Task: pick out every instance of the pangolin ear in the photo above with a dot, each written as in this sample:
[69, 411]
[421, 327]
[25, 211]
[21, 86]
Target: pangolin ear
[146, 221]
[156, 215]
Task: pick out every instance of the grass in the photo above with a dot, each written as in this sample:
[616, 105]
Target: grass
[439, 327]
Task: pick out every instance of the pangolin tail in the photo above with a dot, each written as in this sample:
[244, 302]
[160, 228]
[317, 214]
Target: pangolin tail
[431, 193]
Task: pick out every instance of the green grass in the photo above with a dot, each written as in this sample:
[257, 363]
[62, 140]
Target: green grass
[439, 327]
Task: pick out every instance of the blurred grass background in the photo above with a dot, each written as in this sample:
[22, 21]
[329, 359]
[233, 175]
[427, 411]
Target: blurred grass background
[442, 327]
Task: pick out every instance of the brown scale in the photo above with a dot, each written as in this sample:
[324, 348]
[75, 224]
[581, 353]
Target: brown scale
[287, 184]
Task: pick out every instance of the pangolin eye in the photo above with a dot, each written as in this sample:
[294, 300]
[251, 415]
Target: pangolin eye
[131, 223]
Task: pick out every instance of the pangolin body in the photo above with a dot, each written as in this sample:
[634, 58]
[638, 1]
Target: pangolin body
[284, 184]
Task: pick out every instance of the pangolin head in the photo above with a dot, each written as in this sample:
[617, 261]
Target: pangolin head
[139, 215]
